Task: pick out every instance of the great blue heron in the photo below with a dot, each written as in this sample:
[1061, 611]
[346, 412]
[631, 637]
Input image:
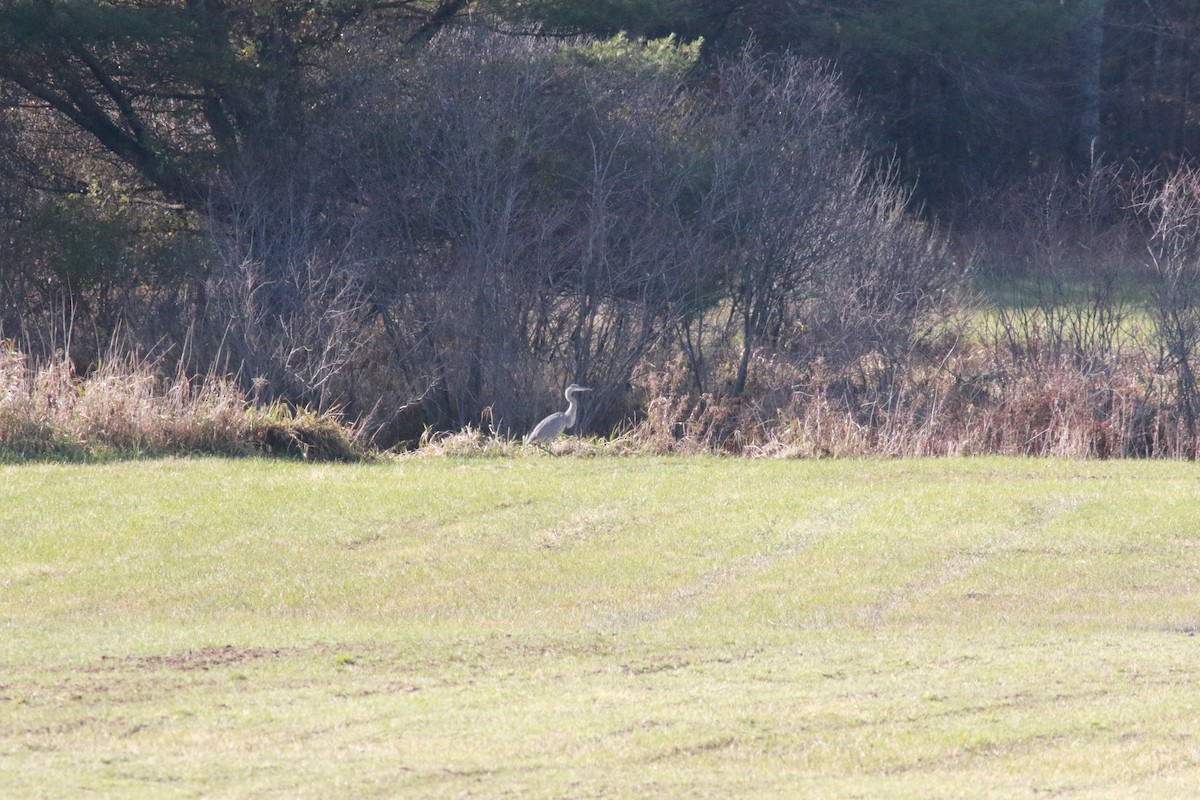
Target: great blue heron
[559, 421]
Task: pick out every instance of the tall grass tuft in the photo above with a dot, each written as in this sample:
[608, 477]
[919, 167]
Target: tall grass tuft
[125, 406]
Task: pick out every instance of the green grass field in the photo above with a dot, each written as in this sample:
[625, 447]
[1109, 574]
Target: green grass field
[603, 627]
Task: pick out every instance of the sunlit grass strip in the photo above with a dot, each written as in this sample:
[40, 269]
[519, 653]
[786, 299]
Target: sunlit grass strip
[600, 627]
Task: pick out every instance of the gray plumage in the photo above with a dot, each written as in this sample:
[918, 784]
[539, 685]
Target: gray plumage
[559, 421]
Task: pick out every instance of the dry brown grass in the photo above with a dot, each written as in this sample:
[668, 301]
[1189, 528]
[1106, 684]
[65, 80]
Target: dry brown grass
[970, 401]
[974, 400]
[126, 406]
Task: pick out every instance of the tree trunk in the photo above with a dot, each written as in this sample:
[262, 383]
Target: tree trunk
[1091, 57]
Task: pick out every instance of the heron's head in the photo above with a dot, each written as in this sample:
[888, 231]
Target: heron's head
[575, 387]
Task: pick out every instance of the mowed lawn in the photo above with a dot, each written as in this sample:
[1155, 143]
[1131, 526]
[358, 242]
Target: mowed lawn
[604, 627]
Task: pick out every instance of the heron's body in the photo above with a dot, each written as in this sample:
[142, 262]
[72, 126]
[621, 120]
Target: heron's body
[559, 421]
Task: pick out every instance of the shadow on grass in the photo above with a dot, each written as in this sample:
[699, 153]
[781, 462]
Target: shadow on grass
[316, 440]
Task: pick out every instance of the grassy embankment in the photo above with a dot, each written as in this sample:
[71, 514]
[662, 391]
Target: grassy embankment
[544, 627]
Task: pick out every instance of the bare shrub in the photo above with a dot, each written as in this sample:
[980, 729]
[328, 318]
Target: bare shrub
[1172, 210]
[782, 175]
[822, 259]
[1063, 244]
[299, 354]
[538, 220]
[284, 303]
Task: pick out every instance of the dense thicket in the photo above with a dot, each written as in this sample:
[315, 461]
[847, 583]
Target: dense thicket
[437, 212]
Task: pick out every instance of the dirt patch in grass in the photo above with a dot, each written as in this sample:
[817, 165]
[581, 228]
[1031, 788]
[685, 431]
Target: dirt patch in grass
[203, 659]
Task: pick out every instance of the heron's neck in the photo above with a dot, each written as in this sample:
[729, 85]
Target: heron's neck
[570, 412]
